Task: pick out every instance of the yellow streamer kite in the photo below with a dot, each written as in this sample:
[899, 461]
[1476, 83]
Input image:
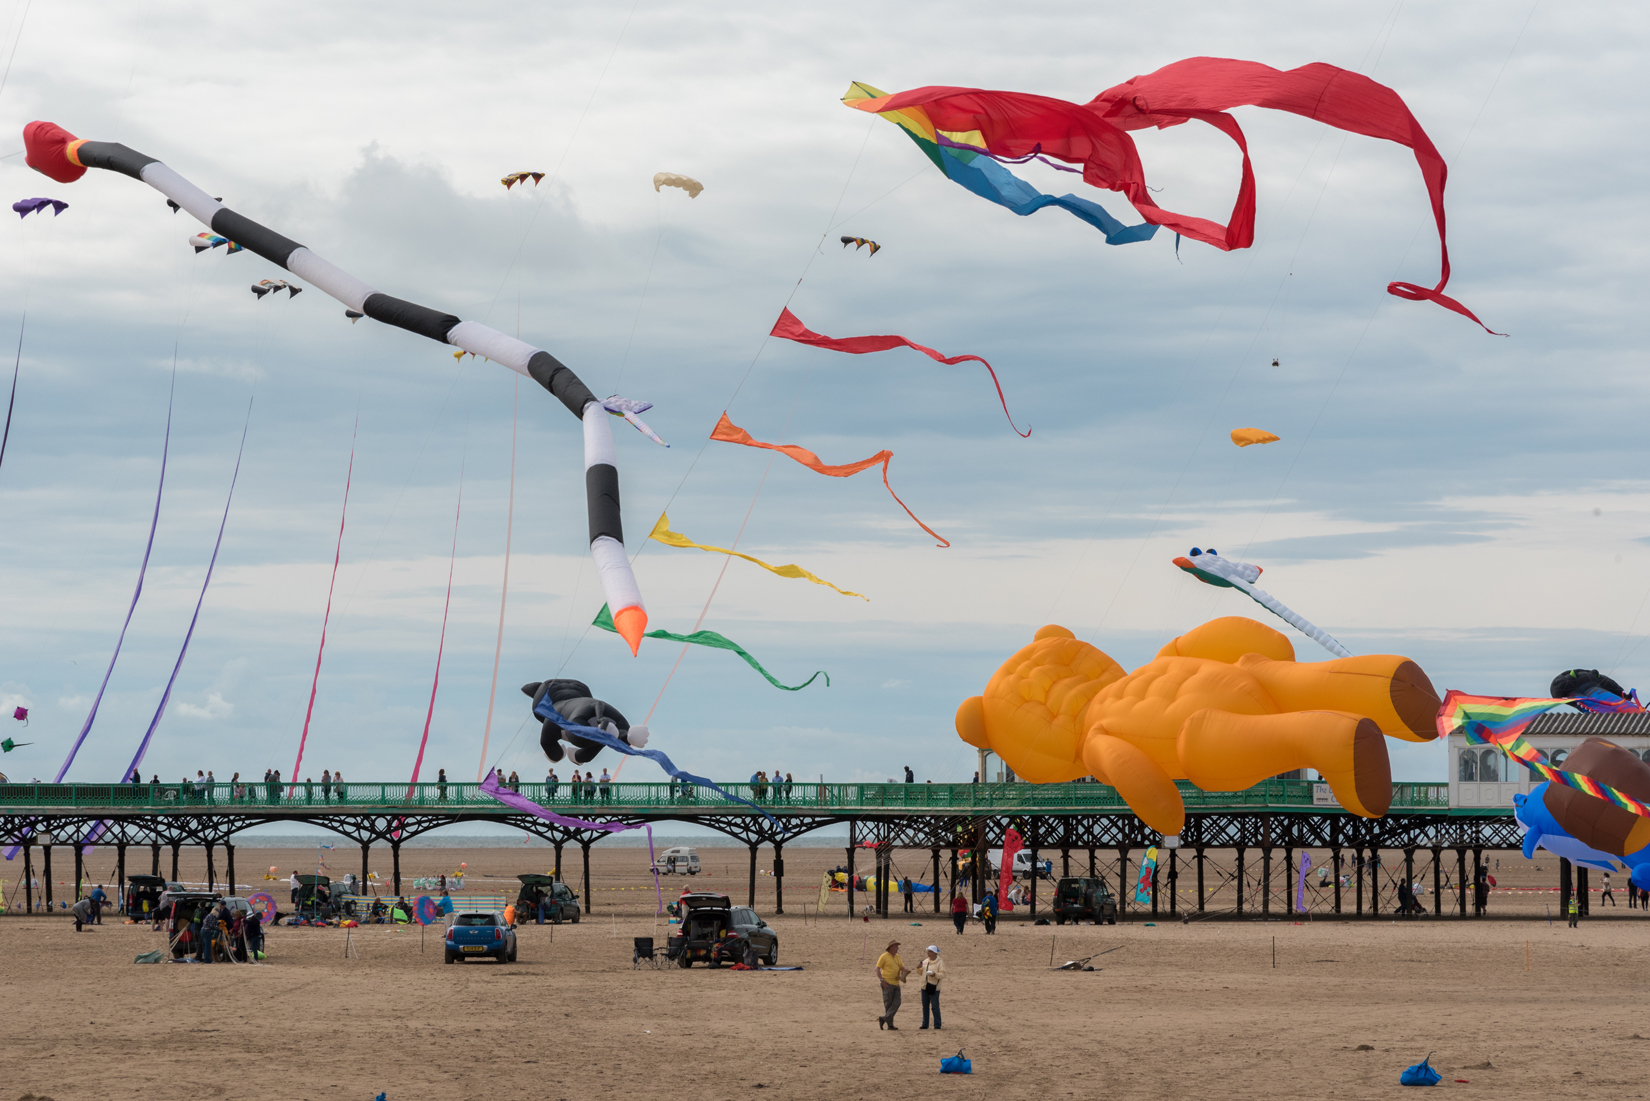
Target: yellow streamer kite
[661, 531]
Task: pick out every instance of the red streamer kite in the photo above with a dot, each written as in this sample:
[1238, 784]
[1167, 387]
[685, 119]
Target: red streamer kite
[790, 327]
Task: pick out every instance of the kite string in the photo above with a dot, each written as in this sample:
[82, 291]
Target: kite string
[1392, 19]
[1347, 364]
[15, 43]
[337, 554]
[504, 590]
[729, 403]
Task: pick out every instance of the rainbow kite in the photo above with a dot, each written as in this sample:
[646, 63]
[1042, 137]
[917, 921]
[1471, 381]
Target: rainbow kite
[1501, 722]
[964, 159]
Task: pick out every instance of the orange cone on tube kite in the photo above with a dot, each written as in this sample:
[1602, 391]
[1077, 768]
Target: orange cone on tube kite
[1225, 706]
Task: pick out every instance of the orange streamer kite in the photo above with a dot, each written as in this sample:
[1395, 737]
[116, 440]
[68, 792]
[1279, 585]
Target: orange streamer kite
[728, 432]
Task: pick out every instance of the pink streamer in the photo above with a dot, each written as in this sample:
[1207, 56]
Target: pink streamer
[336, 554]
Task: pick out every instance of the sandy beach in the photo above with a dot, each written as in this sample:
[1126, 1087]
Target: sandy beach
[1176, 1010]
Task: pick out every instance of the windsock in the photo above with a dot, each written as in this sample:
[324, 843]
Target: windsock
[1228, 573]
[63, 157]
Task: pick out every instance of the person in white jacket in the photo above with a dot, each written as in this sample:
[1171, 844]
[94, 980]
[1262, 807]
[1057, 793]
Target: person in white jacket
[931, 970]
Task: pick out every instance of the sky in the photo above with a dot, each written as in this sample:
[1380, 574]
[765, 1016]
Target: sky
[1475, 502]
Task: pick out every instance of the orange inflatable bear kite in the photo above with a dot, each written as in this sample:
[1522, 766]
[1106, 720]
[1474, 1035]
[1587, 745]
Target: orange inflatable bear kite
[1225, 706]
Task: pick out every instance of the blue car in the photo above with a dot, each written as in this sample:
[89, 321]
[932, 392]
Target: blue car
[472, 933]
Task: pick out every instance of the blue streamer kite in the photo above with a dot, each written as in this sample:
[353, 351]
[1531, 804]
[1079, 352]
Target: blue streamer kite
[546, 710]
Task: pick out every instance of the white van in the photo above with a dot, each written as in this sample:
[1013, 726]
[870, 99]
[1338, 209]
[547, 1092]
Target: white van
[678, 860]
[1022, 864]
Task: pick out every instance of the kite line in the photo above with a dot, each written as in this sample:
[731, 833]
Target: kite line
[15, 367]
[504, 592]
[441, 645]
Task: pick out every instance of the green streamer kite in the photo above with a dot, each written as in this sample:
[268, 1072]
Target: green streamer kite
[604, 620]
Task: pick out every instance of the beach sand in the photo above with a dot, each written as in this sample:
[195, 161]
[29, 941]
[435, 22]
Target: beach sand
[1177, 1011]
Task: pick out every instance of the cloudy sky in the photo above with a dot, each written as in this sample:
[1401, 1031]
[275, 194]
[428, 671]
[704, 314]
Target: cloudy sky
[1474, 502]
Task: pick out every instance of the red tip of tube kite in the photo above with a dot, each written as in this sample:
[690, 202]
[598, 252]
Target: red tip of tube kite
[631, 622]
[50, 151]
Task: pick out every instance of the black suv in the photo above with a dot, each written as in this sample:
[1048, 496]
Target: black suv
[563, 901]
[717, 932]
[1077, 900]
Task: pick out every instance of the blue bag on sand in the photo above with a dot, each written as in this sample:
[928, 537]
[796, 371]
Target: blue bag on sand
[956, 1064]
[1420, 1074]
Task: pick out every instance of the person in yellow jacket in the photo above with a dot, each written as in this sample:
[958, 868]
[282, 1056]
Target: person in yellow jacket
[1575, 911]
[891, 972]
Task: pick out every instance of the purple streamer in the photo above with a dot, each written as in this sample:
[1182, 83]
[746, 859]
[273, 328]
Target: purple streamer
[166, 696]
[1300, 884]
[518, 801]
[15, 367]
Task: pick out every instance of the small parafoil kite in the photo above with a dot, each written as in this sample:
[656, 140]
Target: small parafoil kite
[674, 179]
[25, 207]
[515, 178]
[626, 408]
[275, 286]
[1228, 573]
[1245, 437]
[203, 241]
[858, 242]
[61, 156]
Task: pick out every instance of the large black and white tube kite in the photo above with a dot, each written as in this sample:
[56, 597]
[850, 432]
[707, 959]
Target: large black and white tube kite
[61, 156]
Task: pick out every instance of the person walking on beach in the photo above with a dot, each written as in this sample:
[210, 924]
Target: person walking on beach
[959, 912]
[932, 970]
[988, 911]
[99, 899]
[1575, 911]
[906, 890]
[1607, 896]
[891, 971]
